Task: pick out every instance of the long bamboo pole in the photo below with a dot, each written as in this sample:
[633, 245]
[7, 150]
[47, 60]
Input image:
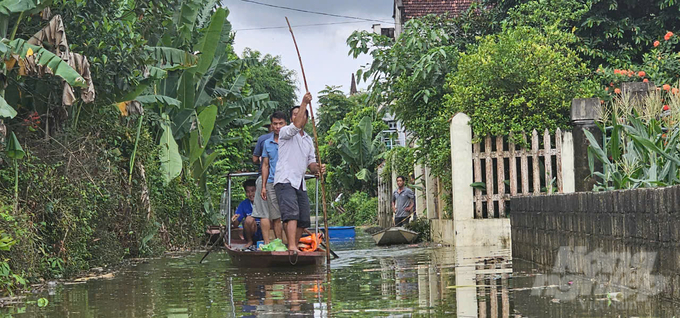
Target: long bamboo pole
[316, 146]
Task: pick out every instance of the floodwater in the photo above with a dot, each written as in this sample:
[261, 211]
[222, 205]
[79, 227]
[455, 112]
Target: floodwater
[367, 281]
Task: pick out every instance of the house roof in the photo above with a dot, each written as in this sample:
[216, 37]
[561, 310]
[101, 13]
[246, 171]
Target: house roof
[418, 8]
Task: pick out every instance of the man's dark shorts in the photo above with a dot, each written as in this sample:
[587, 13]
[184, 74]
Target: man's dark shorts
[401, 221]
[293, 203]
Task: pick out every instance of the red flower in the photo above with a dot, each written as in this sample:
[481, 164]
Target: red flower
[606, 89]
[645, 80]
[674, 90]
[617, 91]
[611, 84]
[665, 107]
[642, 73]
[666, 87]
[656, 43]
[668, 36]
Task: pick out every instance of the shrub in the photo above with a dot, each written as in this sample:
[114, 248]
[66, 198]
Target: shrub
[640, 144]
[359, 209]
[422, 226]
[519, 80]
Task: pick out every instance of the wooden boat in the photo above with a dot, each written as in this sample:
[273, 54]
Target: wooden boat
[261, 259]
[394, 235]
[234, 242]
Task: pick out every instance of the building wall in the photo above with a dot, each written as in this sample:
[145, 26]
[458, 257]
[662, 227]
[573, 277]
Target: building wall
[631, 237]
[398, 21]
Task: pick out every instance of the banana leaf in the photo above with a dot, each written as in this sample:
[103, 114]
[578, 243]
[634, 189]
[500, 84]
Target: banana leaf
[14, 149]
[6, 110]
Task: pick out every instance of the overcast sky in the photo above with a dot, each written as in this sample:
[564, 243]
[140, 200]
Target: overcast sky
[323, 48]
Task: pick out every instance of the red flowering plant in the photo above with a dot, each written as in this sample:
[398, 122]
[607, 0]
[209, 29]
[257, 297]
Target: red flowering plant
[662, 62]
[661, 66]
[32, 121]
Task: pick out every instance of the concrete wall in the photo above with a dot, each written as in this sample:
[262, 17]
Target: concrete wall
[631, 237]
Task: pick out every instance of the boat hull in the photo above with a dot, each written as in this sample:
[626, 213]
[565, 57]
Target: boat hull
[394, 235]
[261, 259]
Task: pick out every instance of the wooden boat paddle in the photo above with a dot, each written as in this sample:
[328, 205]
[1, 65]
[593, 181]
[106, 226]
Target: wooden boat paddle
[408, 217]
[316, 146]
[219, 239]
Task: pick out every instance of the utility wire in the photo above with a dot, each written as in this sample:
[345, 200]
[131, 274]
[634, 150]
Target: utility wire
[315, 12]
[298, 26]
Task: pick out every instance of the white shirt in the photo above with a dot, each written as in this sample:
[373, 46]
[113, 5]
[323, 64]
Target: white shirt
[296, 153]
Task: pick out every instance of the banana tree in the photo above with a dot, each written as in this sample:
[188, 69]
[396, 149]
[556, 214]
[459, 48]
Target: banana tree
[199, 94]
[359, 149]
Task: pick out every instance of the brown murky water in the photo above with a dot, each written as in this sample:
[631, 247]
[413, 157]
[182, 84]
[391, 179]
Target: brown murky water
[366, 281]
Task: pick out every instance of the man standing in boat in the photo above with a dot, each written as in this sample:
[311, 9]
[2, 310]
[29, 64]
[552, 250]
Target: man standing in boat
[260, 208]
[270, 156]
[403, 201]
[296, 155]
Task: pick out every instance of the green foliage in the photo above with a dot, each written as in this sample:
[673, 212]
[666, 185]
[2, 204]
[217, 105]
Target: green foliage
[353, 149]
[401, 160]
[519, 80]
[268, 76]
[422, 226]
[640, 144]
[359, 209]
[359, 149]
[662, 63]
[333, 107]
[409, 75]
[86, 214]
[615, 33]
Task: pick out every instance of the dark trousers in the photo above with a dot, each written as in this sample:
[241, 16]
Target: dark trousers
[294, 204]
[401, 221]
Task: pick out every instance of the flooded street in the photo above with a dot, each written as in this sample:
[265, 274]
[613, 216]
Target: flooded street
[366, 281]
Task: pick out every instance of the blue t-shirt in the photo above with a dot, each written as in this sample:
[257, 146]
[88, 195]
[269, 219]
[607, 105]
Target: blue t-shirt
[245, 208]
[271, 151]
[259, 147]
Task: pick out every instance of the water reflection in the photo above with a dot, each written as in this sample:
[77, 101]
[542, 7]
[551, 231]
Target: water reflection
[301, 294]
[366, 281]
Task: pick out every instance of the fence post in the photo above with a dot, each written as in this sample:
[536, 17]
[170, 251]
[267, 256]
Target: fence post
[430, 194]
[568, 180]
[461, 167]
[584, 113]
[418, 185]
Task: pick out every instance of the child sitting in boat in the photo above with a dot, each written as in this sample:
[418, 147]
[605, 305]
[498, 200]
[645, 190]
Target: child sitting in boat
[251, 225]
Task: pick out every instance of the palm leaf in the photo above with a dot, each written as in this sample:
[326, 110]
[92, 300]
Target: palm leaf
[169, 58]
[186, 20]
[48, 59]
[8, 7]
[158, 99]
[199, 138]
[209, 42]
[6, 110]
[13, 149]
[171, 161]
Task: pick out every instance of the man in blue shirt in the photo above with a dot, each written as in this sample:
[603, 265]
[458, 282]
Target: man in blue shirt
[269, 158]
[260, 208]
[251, 226]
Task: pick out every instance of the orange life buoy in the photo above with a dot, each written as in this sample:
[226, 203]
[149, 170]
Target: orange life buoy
[309, 239]
[313, 241]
